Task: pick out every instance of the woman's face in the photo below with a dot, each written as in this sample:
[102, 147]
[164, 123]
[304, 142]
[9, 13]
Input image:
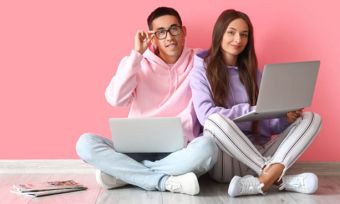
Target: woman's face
[235, 39]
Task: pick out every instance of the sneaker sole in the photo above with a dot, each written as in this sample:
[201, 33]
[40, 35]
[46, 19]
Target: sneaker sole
[99, 179]
[197, 186]
[232, 187]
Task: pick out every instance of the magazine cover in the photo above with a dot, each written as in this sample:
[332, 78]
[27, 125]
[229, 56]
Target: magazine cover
[47, 188]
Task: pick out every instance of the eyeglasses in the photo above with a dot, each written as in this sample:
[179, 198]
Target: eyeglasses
[173, 30]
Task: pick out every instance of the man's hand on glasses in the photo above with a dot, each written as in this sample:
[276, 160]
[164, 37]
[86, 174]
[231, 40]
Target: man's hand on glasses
[142, 40]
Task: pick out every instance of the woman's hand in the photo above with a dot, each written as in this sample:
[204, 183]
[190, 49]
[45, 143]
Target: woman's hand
[293, 115]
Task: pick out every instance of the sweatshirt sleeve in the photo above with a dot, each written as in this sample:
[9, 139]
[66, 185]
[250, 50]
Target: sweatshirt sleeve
[277, 125]
[202, 97]
[121, 88]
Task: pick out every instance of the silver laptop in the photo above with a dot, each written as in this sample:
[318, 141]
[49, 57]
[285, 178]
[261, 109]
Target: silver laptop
[147, 135]
[284, 87]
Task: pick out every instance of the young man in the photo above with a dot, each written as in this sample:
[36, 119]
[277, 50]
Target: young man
[154, 81]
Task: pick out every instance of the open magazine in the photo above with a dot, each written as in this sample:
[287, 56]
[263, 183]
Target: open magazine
[47, 188]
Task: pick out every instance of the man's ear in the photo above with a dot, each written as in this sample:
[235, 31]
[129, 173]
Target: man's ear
[152, 45]
[184, 30]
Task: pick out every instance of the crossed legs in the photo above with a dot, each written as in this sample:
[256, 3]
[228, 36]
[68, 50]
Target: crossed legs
[292, 143]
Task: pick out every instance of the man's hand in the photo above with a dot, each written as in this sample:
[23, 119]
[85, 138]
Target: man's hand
[142, 40]
[293, 115]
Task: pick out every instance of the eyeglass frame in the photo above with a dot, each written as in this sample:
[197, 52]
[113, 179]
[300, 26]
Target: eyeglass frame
[168, 31]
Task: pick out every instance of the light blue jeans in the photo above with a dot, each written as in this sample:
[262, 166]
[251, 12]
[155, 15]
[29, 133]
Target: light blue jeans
[150, 170]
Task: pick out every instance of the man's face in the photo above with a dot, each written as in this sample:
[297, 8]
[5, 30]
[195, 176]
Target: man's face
[169, 37]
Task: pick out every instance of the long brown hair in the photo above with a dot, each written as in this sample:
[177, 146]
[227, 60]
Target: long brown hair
[246, 62]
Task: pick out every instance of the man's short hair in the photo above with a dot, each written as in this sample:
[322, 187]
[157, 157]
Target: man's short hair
[162, 11]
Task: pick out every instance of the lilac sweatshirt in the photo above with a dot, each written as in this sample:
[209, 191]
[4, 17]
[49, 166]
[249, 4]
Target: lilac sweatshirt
[237, 105]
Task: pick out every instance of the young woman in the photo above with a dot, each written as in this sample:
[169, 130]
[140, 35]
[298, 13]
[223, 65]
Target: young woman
[224, 84]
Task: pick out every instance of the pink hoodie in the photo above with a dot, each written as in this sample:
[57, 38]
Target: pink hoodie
[155, 89]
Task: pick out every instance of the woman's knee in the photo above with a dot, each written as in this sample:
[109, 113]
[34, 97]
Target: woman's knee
[312, 116]
[317, 118]
[313, 120]
[216, 117]
[215, 123]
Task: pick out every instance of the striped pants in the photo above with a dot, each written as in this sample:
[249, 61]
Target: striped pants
[239, 156]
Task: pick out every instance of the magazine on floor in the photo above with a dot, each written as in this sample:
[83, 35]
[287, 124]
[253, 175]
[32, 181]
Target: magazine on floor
[47, 188]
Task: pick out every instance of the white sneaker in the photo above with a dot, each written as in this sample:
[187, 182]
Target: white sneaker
[302, 183]
[247, 185]
[186, 183]
[107, 181]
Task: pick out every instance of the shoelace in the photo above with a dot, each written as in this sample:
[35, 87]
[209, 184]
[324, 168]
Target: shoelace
[173, 186]
[251, 185]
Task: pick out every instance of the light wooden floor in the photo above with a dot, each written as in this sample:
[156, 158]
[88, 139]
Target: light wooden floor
[211, 192]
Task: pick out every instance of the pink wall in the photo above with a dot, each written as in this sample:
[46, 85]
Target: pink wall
[56, 58]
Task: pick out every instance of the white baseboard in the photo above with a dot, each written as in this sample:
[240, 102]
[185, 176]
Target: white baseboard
[78, 166]
[45, 166]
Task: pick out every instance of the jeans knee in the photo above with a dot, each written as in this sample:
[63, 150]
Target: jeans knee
[211, 147]
[208, 146]
[213, 150]
[83, 146]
